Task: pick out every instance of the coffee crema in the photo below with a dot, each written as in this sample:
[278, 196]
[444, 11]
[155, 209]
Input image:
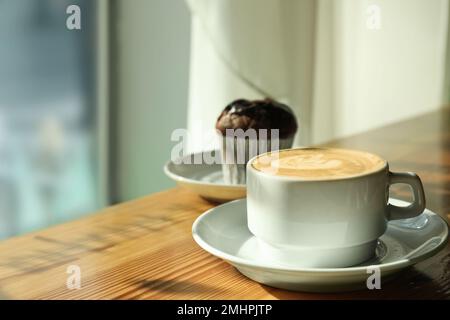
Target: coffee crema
[318, 163]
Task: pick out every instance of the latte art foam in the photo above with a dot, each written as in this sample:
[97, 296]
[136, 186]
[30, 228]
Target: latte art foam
[318, 163]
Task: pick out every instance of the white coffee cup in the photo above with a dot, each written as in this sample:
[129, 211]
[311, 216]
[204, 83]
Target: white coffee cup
[325, 223]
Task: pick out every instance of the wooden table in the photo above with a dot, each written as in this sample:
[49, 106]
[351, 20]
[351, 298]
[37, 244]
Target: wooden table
[143, 249]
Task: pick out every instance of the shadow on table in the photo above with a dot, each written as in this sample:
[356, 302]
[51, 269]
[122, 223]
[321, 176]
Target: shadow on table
[411, 284]
[173, 286]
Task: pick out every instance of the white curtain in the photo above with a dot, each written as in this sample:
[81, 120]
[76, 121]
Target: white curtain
[246, 49]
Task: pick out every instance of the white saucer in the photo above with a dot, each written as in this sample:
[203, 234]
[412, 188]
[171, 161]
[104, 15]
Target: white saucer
[223, 232]
[204, 179]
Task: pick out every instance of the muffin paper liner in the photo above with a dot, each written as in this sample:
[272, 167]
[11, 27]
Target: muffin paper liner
[234, 160]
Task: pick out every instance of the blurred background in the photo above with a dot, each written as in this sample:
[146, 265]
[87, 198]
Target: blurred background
[86, 115]
[47, 115]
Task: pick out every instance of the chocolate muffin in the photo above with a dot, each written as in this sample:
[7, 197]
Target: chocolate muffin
[248, 128]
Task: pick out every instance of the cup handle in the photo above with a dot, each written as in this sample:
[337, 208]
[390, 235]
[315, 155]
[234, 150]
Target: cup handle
[418, 205]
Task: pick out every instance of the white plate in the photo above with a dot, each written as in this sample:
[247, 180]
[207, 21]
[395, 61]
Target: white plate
[223, 232]
[204, 179]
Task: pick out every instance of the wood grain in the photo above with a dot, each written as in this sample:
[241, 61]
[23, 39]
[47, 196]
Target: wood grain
[143, 249]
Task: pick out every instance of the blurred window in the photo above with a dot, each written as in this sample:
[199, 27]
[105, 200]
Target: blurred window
[47, 115]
